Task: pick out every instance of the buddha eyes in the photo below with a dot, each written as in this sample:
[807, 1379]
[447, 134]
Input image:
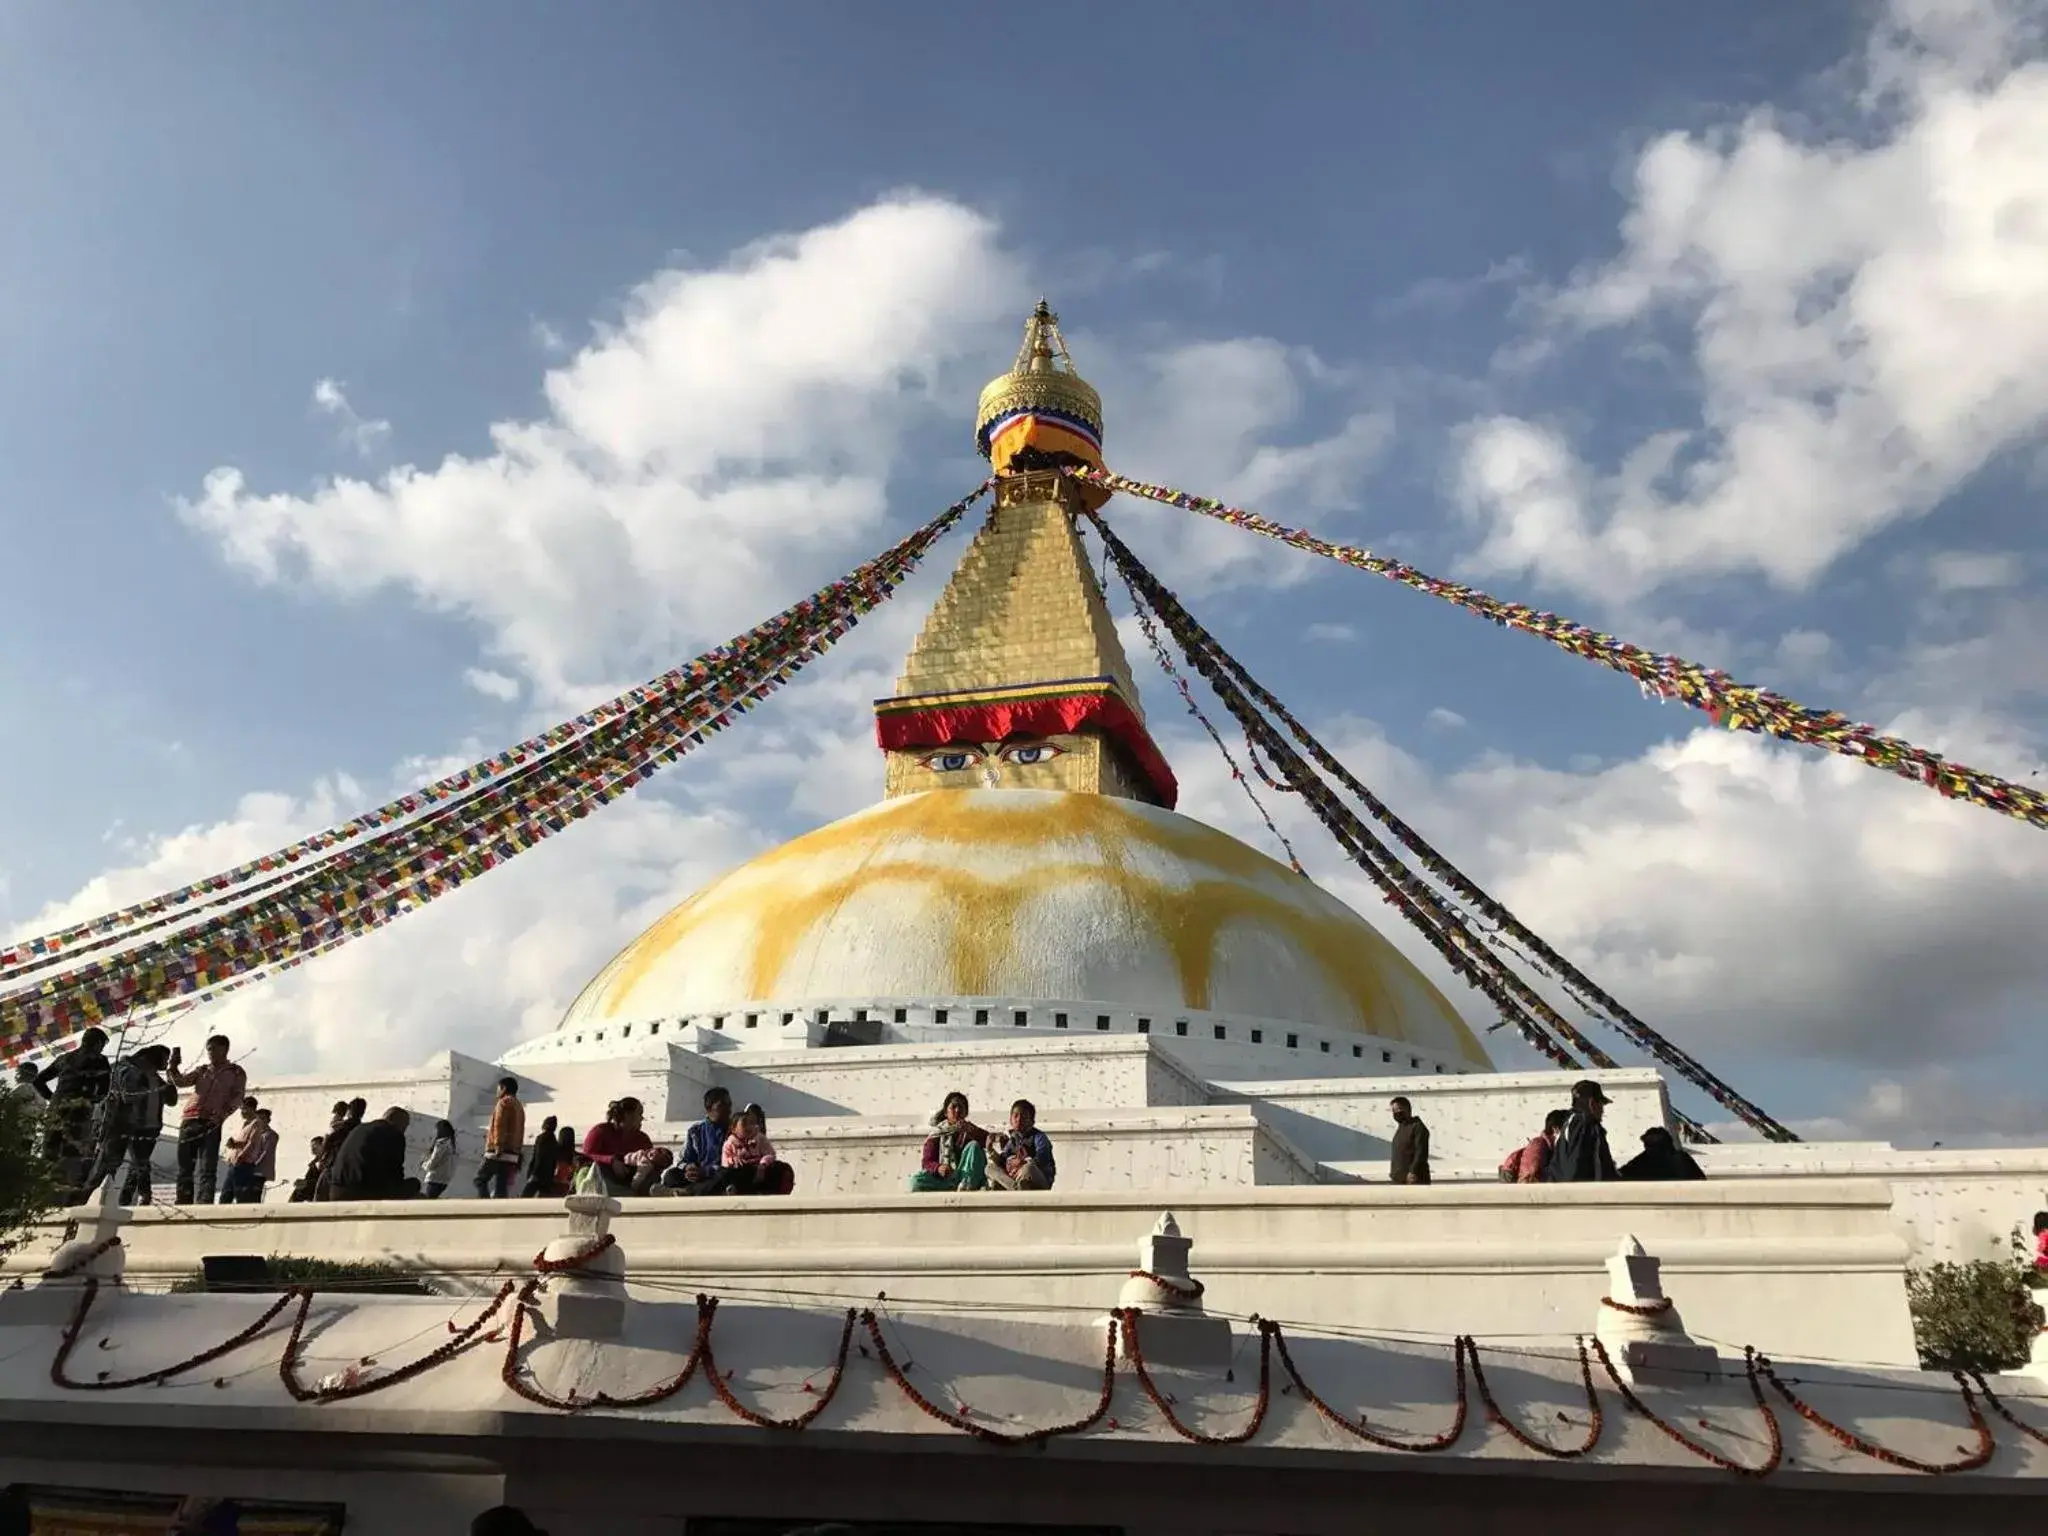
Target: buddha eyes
[1023, 754]
[1029, 752]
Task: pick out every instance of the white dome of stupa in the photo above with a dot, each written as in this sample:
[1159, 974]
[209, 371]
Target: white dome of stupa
[1026, 893]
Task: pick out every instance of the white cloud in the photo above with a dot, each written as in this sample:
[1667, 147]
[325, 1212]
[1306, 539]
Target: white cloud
[1867, 324]
[492, 685]
[1240, 420]
[1959, 570]
[491, 963]
[548, 338]
[1445, 719]
[1736, 894]
[365, 434]
[726, 444]
[1331, 634]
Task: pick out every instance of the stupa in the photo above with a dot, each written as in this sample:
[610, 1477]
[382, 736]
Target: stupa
[1210, 1039]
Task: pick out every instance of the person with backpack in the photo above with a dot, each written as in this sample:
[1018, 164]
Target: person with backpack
[1581, 1155]
[1528, 1164]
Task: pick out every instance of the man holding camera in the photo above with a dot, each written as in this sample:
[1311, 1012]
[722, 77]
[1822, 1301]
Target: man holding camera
[218, 1088]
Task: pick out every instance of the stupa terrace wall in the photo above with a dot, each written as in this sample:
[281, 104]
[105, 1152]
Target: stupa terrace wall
[1802, 1268]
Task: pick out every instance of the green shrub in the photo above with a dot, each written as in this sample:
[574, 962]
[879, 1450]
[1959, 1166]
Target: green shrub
[1979, 1316]
[28, 1185]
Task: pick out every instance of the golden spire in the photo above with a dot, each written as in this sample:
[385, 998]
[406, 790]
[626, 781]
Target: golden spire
[1041, 408]
[1017, 678]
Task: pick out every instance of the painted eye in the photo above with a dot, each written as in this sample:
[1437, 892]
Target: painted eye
[952, 760]
[1031, 752]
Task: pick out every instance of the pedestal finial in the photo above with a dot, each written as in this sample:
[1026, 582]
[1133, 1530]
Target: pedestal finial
[585, 1295]
[97, 1252]
[1640, 1325]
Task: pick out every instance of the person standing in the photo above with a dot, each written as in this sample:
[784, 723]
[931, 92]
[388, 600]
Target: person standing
[218, 1088]
[234, 1138]
[137, 1097]
[440, 1162]
[1410, 1163]
[371, 1163]
[1581, 1155]
[503, 1143]
[78, 1082]
[253, 1163]
[540, 1163]
[1528, 1164]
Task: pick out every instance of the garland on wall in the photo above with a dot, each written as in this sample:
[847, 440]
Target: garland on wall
[1124, 1345]
[1737, 705]
[1433, 914]
[255, 919]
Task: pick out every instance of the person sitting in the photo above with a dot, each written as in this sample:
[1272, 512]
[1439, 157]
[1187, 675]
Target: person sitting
[703, 1167]
[1661, 1158]
[955, 1154]
[624, 1160]
[748, 1156]
[371, 1162]
[1022, 1157]
[2041, 1242]
[306, 1184]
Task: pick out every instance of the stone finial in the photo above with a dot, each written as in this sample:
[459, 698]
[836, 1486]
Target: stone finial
[586, 1298]
[1161, 1282]
[1640, 1325]
[96, 1253]
[1174, 1329]
[1633, 1274]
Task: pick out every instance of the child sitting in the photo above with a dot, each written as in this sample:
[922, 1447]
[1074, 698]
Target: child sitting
[749, 1156]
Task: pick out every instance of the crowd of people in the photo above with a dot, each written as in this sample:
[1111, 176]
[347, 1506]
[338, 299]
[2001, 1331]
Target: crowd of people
[1570, 1149]
[98, 1115]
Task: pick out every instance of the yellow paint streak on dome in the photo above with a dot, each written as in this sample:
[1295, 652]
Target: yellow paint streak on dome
[1189, 919]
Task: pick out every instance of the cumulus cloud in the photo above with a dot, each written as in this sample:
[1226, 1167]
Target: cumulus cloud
[492, 685]
[1249, 421]
[1743, 896]
[729, 440]
[489, 964]
[725, 444]
[1864, 316]
[365, 434]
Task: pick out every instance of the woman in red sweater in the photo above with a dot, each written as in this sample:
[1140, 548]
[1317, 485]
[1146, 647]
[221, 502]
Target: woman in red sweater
[627, 1162]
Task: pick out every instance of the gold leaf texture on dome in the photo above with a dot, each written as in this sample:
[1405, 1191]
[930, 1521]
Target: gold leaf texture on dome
[1027, 894]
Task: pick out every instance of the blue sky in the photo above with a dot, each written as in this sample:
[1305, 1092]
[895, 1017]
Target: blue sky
[1695, 324]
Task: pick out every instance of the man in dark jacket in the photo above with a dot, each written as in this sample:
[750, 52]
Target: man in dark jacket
[77, 1081]
[1661, 1158]
[1581, 1155]
[133, 1120]
[371, 1162]
[1411, 1146]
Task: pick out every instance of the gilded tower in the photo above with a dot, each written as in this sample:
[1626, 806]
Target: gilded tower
[1017, 679]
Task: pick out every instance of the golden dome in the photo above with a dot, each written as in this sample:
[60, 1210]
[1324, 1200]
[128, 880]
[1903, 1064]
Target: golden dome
[1024, 894]
[1042, 382]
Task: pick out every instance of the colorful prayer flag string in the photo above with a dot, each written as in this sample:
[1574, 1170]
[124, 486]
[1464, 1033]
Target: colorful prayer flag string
[1737, 705]
[291, 916]
[887, 568]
